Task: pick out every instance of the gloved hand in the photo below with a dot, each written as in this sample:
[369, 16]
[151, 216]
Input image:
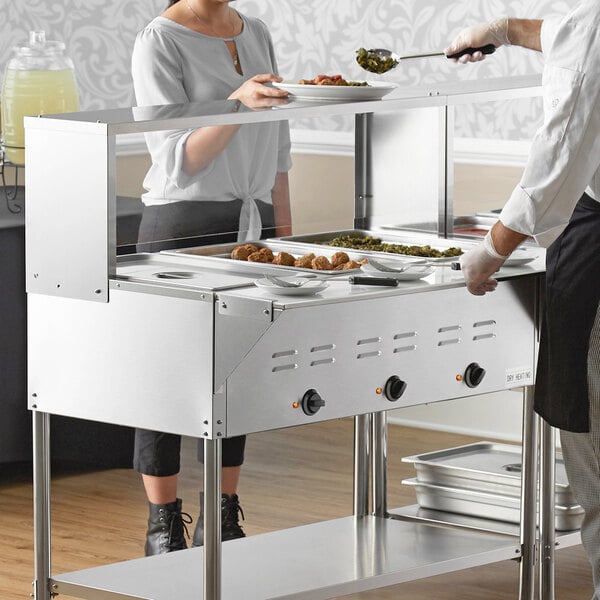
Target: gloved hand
[479, 264]
[495, 32]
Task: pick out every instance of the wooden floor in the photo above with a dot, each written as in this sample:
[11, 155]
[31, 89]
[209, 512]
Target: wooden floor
[291, 477]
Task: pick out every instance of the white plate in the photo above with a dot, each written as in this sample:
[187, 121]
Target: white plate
[412, 273]
[374, 91]
[521, 256]
[308, 289]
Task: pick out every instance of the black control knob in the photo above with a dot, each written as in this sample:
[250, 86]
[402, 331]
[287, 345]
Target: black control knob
[312, 402]
[394, 388]
[474, 374]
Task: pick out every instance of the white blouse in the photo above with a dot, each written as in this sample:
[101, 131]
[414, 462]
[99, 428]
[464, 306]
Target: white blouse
[565, 154]
[172, 64]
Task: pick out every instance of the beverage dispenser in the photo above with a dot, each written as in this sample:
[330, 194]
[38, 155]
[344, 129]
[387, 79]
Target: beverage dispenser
[38, 79]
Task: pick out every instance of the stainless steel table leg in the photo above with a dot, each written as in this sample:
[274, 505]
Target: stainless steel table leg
[41, 505]
[547, 519]
[379, 468]
[528, 497]
[212, 519]
[361, 465]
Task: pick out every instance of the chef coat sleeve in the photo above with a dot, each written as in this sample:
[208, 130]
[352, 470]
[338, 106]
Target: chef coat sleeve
[565, 151]
[548, 33]
[157, 80]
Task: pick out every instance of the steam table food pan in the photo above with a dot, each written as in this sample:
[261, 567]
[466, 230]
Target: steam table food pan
[485, 466]
[326, 239]
[487, 505]
[218, 256]
[484, 480]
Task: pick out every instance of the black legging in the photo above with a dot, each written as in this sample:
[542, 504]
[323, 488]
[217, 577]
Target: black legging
[179, 225]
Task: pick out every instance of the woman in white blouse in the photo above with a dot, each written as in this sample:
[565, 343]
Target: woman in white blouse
[208, 185]
[557, 203]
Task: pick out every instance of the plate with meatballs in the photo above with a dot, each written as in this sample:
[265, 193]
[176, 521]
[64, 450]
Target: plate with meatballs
[331, 264]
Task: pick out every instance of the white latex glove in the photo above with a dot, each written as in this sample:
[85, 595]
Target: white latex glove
[479, 264]
[495, 32]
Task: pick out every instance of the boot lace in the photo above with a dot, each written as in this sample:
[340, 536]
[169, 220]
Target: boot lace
[230, 509]
[178, 522]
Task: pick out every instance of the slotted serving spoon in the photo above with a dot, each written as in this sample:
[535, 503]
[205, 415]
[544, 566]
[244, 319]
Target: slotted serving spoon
[381, 60]
[455, 266]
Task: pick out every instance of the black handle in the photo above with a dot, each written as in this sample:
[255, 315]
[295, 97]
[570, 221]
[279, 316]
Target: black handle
[489, 49]
[357, 280]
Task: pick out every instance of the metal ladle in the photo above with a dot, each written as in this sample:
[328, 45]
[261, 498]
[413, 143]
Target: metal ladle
[381, 60]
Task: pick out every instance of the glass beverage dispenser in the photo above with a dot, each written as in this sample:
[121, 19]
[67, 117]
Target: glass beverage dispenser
[38, 79]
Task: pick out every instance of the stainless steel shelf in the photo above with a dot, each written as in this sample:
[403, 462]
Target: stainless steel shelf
[317, 561]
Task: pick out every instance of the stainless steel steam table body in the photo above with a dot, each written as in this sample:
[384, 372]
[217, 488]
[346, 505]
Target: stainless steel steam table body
[232, 359]
[110, 341]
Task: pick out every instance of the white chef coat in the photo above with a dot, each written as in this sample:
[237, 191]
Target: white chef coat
[172, 64]
[565, 154]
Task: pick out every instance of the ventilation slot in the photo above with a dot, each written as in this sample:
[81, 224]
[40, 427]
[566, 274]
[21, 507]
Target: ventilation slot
[324, 361]
[323, 348]
[449, 328]
[374, 340]
[403, 336]
[289, 367]
[374, 354]
[489, 323]
[405, 349]
[449, 342]
[485, 336]
[284, 353]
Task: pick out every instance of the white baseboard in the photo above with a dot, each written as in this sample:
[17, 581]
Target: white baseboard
[341, 143]
[452, 428]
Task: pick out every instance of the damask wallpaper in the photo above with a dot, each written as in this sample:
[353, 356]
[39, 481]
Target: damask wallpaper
[311, 37]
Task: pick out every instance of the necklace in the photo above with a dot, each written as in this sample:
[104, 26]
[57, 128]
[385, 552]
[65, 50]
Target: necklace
[203, 23]
[234, 55]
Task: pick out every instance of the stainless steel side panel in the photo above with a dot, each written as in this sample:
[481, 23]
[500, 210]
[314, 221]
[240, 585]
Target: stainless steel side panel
[346, 351]
[143, 360]
[71, 214]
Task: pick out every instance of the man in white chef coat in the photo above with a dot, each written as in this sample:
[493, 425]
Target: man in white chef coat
[557, 202]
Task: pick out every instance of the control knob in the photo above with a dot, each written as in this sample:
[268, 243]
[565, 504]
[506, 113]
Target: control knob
[394, 388]
[474, 374]
[312, 402]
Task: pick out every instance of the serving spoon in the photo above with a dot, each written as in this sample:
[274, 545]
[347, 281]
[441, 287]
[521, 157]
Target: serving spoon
[381, 60]
[455, 266]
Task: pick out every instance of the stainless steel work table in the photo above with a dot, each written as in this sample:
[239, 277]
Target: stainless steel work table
[109, 340]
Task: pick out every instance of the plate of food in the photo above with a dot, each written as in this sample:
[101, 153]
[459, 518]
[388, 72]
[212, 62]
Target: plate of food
[335, 87]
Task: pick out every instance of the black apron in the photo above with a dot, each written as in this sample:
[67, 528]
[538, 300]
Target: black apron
[572, 298]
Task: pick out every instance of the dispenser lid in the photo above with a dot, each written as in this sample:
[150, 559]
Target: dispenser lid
[39, 46]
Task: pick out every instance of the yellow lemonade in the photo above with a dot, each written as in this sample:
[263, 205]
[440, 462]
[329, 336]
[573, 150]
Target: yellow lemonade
[33, 92]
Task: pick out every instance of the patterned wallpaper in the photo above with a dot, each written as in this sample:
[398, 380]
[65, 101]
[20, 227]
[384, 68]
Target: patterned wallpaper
[311, 36]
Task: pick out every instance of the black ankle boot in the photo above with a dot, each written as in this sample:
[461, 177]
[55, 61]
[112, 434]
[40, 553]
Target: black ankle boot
[230, 526]
[166, 528]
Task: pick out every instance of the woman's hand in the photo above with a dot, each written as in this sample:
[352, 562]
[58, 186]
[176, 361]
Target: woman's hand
[477, 36]
[253, 93]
